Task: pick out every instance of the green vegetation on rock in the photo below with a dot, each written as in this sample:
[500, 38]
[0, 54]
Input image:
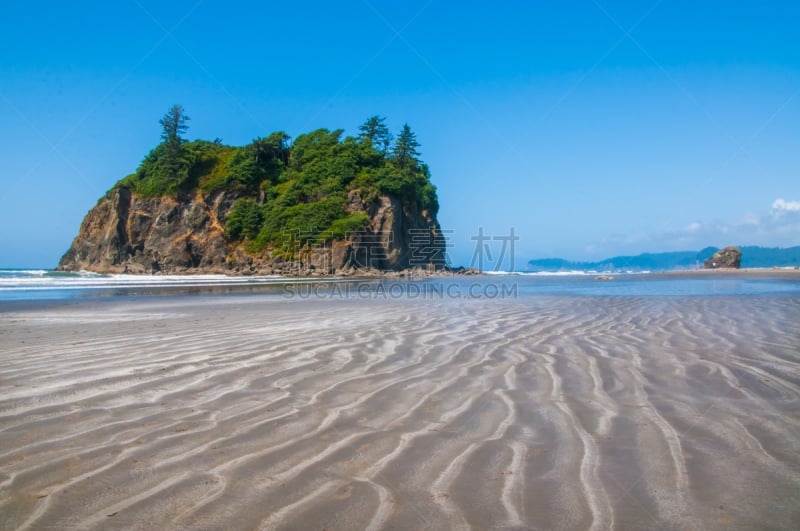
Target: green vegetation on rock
[280, 189]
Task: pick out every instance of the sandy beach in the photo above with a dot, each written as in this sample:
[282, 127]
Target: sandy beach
[252, 412]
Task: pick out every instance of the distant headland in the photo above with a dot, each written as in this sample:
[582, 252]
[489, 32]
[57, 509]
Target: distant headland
[318, 204]
[751, 257]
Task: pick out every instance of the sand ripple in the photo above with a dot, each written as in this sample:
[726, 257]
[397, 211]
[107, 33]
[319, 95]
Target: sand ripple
[532, 413]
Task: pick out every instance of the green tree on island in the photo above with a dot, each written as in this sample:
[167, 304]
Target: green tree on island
[375, 132]
[173, 125]
[405, 150]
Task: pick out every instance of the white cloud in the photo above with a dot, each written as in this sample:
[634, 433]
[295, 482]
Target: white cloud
[751, 219]
[694, 227]
[780, 205]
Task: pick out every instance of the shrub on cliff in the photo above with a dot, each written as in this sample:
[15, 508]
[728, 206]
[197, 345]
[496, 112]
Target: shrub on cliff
[244, 220]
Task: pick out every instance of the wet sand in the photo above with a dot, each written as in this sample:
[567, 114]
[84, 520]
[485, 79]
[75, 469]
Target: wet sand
[247, 412]
[782, 273]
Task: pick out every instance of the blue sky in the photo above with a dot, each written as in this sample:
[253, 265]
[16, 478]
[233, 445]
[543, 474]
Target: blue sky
[594, 128]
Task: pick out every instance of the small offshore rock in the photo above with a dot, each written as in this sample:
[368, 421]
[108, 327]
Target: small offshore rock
[728, 258]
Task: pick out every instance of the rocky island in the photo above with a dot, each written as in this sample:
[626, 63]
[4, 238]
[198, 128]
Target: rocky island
[728, 258]
[320, 204]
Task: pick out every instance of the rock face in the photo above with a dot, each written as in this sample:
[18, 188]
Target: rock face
[129, 234]
[727, 258]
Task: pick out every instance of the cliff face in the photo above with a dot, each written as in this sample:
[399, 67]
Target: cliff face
[129, 234]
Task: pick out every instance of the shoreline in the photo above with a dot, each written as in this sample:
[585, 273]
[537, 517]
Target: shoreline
[413, 273]
[43, 287]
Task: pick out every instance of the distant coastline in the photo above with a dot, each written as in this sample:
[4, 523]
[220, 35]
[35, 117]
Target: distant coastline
[753, 257]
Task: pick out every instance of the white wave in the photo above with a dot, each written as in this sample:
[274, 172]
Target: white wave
[575, 272]
[539, 273]
[49, 280]
[579, 272]
[23, 272]
[90, 274]
[558, 273]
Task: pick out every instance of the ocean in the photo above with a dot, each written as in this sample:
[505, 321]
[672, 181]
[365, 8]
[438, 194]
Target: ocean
[43, 285]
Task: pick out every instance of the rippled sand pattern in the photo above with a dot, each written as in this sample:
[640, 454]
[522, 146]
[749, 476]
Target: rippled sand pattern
[261, 413]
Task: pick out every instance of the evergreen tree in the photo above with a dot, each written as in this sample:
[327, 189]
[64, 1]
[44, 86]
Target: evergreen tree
[375, 132]
[405, 150]
[173, 124]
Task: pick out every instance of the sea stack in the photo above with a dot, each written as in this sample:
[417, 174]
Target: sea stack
[728, 258]
[319, 204]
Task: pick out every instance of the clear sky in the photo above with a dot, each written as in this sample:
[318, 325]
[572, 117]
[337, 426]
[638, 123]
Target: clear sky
[594, 128]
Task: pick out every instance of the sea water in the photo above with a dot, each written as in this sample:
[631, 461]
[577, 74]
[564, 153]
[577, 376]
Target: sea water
[30, 284]
[40, 284]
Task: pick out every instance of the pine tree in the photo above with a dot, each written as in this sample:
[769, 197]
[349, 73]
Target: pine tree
[173, 124]
[375, 132]
[405, 150]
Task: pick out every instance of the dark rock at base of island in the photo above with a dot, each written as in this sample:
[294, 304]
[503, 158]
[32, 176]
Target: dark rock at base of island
[728, 258]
